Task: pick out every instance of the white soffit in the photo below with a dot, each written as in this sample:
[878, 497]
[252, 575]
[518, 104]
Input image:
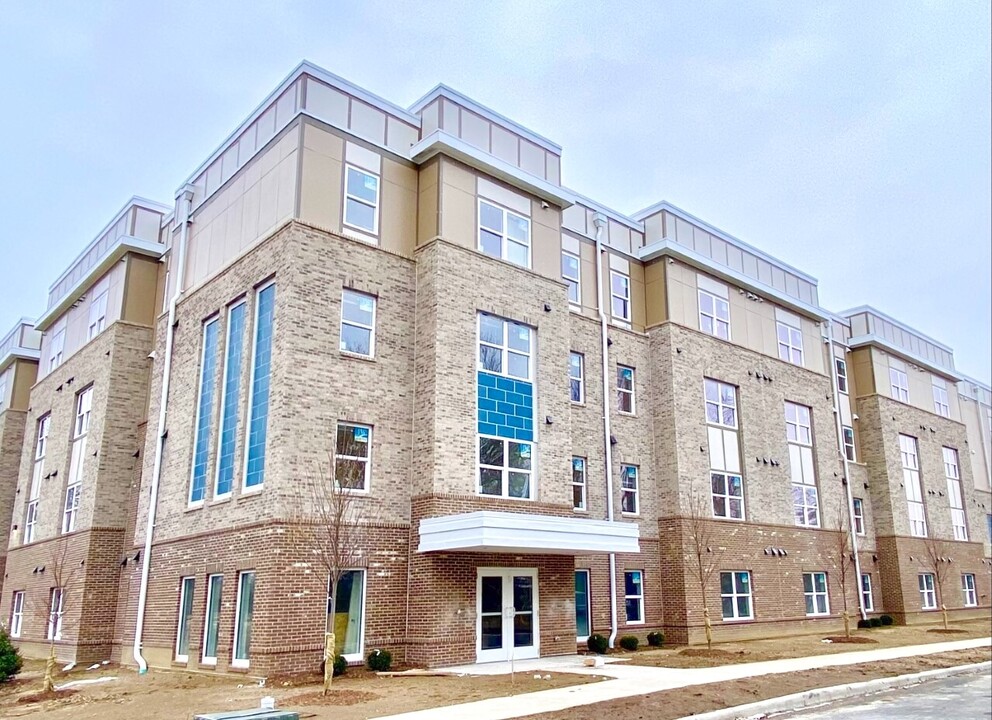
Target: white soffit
[492, 531]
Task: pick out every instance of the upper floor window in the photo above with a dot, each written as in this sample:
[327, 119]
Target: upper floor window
[357, 323]
[352, 453]
[629, 501]
[841, 374]
[798, 426]
[941, 406]
[504, 347]
[56, 350]
[849, 452]
[954, 497]
[98, 310]
[625, 389]
[578, 483]
[790, 343]
[899, 383]
[576, 377]
[721, 403]
[726, 481]
[361, 200]
[911, 482]
[504, 234]
[620, 296]
[204, 411]
[571, 275]
[230, 399]
[261, 373]
[505, 468]
[714, 315]
[859, 516]
[799, 434]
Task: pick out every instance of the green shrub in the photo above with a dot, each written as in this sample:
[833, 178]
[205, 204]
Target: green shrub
[864, 624]
[379, 660]
[629, 642]
[340, 665]
[886, 620]
[597, 644]
[655, 639]
[10, 658]
[875, 622]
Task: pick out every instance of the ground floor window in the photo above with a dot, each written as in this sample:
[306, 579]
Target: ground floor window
[186, 587]
[866, 598]
[928, 596]
[211, 623]
[815, 592]
[582, 610]
[735, 595]
[16, 613]
[243, 614]
[634, 596]
[968, 588]
[348, 617]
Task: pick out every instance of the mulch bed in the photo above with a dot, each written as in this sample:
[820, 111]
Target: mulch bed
[948, 631]
[860, 639]
[336, 697]
[45, 696]
[714, 653]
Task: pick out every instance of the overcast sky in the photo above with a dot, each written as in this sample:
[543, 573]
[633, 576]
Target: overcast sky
[851, 140]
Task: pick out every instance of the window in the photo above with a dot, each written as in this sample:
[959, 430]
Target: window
[628, 490]
[583, 611]
[726, 481]
[504, 234]
[849, 452]
[578, 483]
[261, 368]
[815, 592]
[988, 526]
[859, 516]
[954, 493]
[41, 446]
[186, 587]
[74, 486]
[16, 613]
[243, 614]
[625, 390]
[620, 295]
[735, 595]
[55, 352]
[911, 482]
[211, 623]
[3, 389]
[504, 468]
[230, 400]
[633, 596]
[204, 412]
[576, 377]
[348, 616]
[967, 589]
[98, 310]
[866, 598]
[714, 315]
[361, 200]
[504, 347]
[941, 406]
[799, 434]
[571, 275]
[928, 596]
[357, 323]
[71, 508]
[899, 383]
[56, 603]
[790, 343]
[352, 452]
[841, 366]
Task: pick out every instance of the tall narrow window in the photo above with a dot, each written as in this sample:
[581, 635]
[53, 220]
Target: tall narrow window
[230, 400]
[735, 595]
[629, 500]
[243, 614]
[941, 405]
[967, 589]
[504, 468]
[56, 350]
[56, 603]
[583, 611]
[211, 623]
[899, 384]
[849, 451]
[204, 412]
[799, 434]
[841, 374]
[815, 593]
[258, 408]
[98, 309]
[31, 516]
[16, 613]
[866, 597]
[954, 497]
[625, 390]
[911, 482]
[357, 323]
[726, 481]
[790, 343]
[361, 200]
[348, 615]
[186, 588]
[578, 483]
[928, 595]
[80, 429]
[504, 347]
[571, 275]
[620, 296]
[576, 377]
[714, 314]
[352, 455]
[504, 234]
[633, 596]
[859, 516]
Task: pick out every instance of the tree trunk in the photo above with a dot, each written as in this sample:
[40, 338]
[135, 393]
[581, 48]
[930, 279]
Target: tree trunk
[943, 612]
[847, 624]
[328, 661]
[50, 670]
[709, 628]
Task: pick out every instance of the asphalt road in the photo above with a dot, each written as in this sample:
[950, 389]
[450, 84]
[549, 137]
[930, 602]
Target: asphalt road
[965, 697]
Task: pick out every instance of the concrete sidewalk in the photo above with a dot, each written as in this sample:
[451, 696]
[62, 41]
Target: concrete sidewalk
[631, 680]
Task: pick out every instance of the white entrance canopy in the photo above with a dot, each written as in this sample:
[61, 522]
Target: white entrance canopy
[491, 531]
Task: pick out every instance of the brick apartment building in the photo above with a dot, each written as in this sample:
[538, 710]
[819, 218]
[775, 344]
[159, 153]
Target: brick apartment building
[540, 407]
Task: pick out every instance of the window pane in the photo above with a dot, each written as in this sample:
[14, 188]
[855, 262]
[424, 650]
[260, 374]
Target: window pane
[518, 337]
[491, 359]
[356, 340]
[712, 390]
[259, 408]
[712, 413]
[726, 583]
[519, 456]
[727, 607]
[491, 329]
[517, 253]
[216, 583]
[743, 607]
[490, 481]
[519, 486]
[491, 244]
[632, 583]
[633, 608]
[518, 365]
[491, 217]
[357, 307]
[245, 611]
[491, 452]
[581, 604]
[569, 266]
[350, 474]
[628, 503]
[348, 611]
[359, 214]
[517, 228]
[362, 185]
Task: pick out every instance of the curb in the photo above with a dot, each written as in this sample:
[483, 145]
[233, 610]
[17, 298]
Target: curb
[823, 696]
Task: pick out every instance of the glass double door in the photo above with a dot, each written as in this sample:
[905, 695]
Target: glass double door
[507, 624]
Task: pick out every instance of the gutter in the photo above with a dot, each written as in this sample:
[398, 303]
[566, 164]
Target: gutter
[186, 199]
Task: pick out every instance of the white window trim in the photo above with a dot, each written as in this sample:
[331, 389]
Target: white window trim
[367, 479]
[859, 517]
[56, 350]
[726, 496]
[791, 344]
[223, 406]
[814, 594]
[235, 661]
[505, 469]
[720, 405]
[634, 491]
[55, 613]
[626, 297]
[354, 323]
[928, 591]
[504, 235]
[714, 319]
[190, 502]
[843, 388]
[584, 507]
[577, 279]
[867, 597]
[899, 385]
[585, 571]
[941, 403]
[362, 201]
[909, 453]
[70, 512]
[734, 595]
[581, 378]
[623, 391]
[802, 428]
[97, 320]
[182, 618]
[211, 659]
[505, 348]
[16, 613]
[360, 655]
[245, 489]
[969, 590]
[850, 449]
[955, 493]
[639, 598]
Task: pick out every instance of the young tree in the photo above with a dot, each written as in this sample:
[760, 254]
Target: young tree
[938, 564]
[702, 555]
[844, 557]
[63, 572]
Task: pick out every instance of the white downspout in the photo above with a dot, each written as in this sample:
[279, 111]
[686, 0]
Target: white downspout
[185, 206]
[829, 339]
[599, 220]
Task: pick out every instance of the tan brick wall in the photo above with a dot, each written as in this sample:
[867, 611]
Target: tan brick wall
[11, 440]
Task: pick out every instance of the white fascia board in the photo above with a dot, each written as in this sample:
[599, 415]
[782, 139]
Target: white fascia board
[608, 212]
[441, 142]
[19, 353]
[671, 248]
[901, 325]
[442, 90]
[727, 237]
[983, 385]
[119, 249]
[892, 348]
[492, 531]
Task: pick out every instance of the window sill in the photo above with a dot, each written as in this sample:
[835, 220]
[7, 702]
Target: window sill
[251, 492]
[630, 514]
[360, 234]
[504, 497]
[190, 507]
[626, 414]
[356, 356]
[221, 499]
[577, 404]
[575, 308]
[738, 620]
[634, 622]
[580, 511]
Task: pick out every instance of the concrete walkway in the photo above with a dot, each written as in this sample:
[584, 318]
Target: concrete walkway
[630, 680]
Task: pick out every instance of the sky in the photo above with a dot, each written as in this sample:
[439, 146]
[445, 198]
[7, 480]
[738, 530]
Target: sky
[851, 140]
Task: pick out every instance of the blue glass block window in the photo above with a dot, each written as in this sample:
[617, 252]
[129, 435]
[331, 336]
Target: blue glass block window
[258, 411]
[230, 398]
[204, 411]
